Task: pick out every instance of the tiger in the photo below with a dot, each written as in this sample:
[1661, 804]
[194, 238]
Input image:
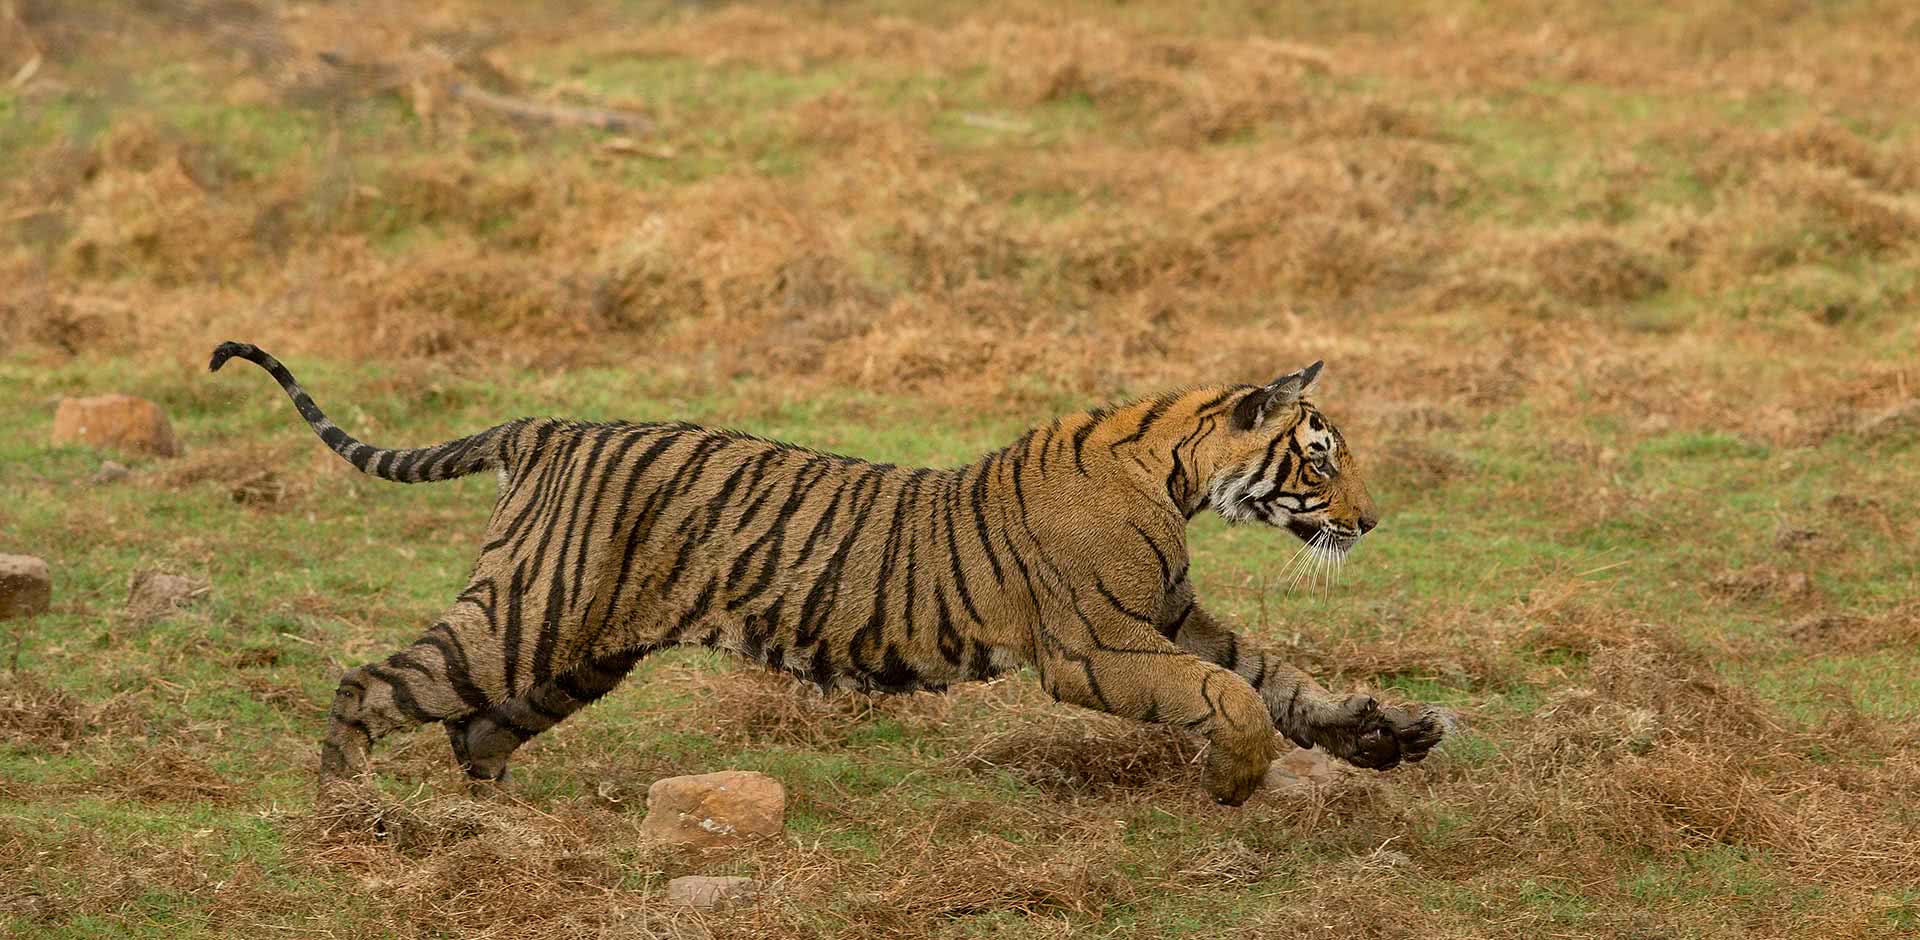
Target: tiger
[1064, 552]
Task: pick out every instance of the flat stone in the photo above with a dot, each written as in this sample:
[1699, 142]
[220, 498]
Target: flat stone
[26, 586]
[109, 472]
[154, 594]
[121, 422]
[1300, 771]
[707, 810]
[713, 892]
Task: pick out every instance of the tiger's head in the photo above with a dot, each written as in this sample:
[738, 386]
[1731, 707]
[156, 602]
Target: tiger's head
[1285, 464]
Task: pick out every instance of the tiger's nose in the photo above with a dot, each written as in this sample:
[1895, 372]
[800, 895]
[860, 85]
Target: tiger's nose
[1367, 523]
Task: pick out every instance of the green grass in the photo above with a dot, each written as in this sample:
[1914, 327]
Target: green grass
[318, 582]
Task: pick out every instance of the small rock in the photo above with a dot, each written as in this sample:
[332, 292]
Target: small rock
[1798, 584]
[122, 422]
[1901, 417]
[154, 594]
[264, 488]
[26, 587]
[713, 892]
[705, 810]
[1382, 859]
[109, 472]
[1299, 771]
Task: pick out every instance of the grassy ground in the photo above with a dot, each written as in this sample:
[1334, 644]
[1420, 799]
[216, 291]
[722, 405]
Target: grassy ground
[1619, 306]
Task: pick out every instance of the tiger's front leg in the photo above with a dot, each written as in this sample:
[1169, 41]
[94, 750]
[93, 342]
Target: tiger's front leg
[1122, 667]
[1355, 728]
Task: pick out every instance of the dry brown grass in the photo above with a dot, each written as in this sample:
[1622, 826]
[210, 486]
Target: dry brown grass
[1349, 217]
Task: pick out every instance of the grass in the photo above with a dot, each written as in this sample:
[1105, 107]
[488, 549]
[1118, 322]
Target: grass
[851, 765]
[1627, 355]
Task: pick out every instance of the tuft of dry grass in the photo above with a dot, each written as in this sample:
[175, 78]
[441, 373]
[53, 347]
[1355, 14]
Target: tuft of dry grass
[1594, 270]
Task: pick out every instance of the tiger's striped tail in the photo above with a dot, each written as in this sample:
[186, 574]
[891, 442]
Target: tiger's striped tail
[486, 450]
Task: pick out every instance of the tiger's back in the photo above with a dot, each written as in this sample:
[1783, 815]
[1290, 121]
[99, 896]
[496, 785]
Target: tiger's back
[648, 535]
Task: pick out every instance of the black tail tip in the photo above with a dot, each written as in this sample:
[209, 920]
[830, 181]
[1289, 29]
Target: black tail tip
[226, 351]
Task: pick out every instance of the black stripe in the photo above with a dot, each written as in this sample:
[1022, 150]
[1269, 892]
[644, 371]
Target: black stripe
[634, 530]
[1080, 435]
[692, 615]
[822, 670]
[519, 484]
[630, 438]
[402, 695]
[403, 467]
[459, 673]
[1154, 413]
[890, 551]
[1166, 570]
[1209, 404]
[775, 538]
[979, 494]
[769, 567]
[1101, 585]
[956, 569]
[573, 491]
[1179, 474]
[1016, 470]
[946, 638]
[1172, 630]
[510, 644]
[981, 666]
[1266, 459]
[450, 454]
[913, 596]
[715, 506]
[825, 592]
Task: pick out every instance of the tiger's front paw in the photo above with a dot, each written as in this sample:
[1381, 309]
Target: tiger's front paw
[1236, 765]
[1364, 733]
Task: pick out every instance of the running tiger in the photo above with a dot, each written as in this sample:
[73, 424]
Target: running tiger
[1065, 551]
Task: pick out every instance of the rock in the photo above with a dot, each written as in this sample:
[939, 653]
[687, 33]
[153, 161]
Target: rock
[715, 809]
[109, 472]
[154, 594]
[1300, 771]
[122, 422]
[711, 892]
[26, 587]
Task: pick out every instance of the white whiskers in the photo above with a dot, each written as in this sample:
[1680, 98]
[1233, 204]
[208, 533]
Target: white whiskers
[1292, 562]
[1309, 560]
[1320, 563]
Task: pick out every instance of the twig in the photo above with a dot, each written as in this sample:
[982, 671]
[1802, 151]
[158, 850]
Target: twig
[602, 118]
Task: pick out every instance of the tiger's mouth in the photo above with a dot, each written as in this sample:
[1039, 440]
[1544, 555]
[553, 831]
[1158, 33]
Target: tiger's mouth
[1326, 538]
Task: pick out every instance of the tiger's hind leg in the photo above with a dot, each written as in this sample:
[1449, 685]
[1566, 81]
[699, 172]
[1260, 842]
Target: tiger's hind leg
[431, 680]
[483, 742]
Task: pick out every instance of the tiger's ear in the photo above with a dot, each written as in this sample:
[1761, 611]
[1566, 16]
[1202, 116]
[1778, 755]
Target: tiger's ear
[1281, 392]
